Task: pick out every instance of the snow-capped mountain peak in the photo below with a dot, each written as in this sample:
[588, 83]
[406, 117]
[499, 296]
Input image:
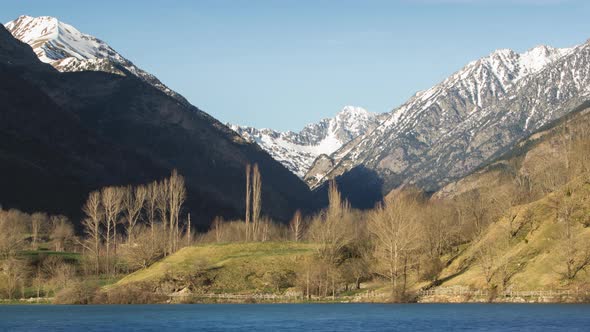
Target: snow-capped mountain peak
[67, 49]
[537, 58]
[480, 111]
[298, 150]
[515, 65]
[351, 119]
[488, 79]
[53, 40]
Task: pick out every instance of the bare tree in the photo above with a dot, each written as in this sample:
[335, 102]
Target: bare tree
[176, 196]
[265, 229]
[38, 282]
[438, 227]
[63, 275]
[256, 200]
[163, 207]
[253, 203]
[296, 226]
[354, 271]
[311, 276]
[575, 248]
[16, 272]
[92, 225]
[37, 221]
[58, 272]
[248, 200]
[133, 202]
[576, 256]
[441, 232]
[151, 204]
[580, 151]
[142, 252]
[487, 256]
[556, 166]
[216, 227]
[111, 198]
[476, 208]
[332, 229]
[396, 232]
[12, 232]
[62, 232]
[189, 235]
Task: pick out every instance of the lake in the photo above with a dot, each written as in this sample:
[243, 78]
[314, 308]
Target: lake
[297, 317]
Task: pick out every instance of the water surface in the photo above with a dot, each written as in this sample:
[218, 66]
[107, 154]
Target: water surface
[297, 317]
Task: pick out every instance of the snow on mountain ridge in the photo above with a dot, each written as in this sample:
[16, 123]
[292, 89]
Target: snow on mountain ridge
[67, 49]
[298, 150]
[53, 40]
[442, 132]
[539, 57]
[497, 73]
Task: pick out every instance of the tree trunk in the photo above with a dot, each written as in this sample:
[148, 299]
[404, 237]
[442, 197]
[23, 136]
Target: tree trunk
[248, 198]
[308, 295]
[189, 234]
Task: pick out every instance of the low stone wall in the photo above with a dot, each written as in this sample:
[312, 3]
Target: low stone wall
[460, 295]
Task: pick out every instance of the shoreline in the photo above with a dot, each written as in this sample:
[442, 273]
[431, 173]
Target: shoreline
[423, 300]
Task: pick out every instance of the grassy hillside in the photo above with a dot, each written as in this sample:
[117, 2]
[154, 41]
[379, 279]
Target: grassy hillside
[531, 252]
[225, 268]
[531, 245]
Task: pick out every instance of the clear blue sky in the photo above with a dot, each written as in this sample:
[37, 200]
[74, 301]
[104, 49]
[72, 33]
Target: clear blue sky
[283, 64]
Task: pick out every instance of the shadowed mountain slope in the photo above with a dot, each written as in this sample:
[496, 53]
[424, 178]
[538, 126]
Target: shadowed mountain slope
[64, 134]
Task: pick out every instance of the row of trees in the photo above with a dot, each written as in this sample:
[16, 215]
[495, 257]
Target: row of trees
[20, 231]
[125, 228]
[154, 208]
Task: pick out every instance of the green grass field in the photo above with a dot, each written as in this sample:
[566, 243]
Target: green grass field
[227, 268]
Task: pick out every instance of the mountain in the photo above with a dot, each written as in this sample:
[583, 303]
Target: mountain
[68, 50]
[542, 176]
[475, 115]
[298, 150]
[65, 134]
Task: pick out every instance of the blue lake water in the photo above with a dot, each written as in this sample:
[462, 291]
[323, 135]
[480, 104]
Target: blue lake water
[297, 317]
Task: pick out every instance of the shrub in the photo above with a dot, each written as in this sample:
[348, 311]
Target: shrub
[431, 268]
[77, 293]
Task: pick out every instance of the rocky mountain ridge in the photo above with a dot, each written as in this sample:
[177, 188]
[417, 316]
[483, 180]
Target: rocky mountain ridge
[69, 50]
[298, 150]
[481, 111]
